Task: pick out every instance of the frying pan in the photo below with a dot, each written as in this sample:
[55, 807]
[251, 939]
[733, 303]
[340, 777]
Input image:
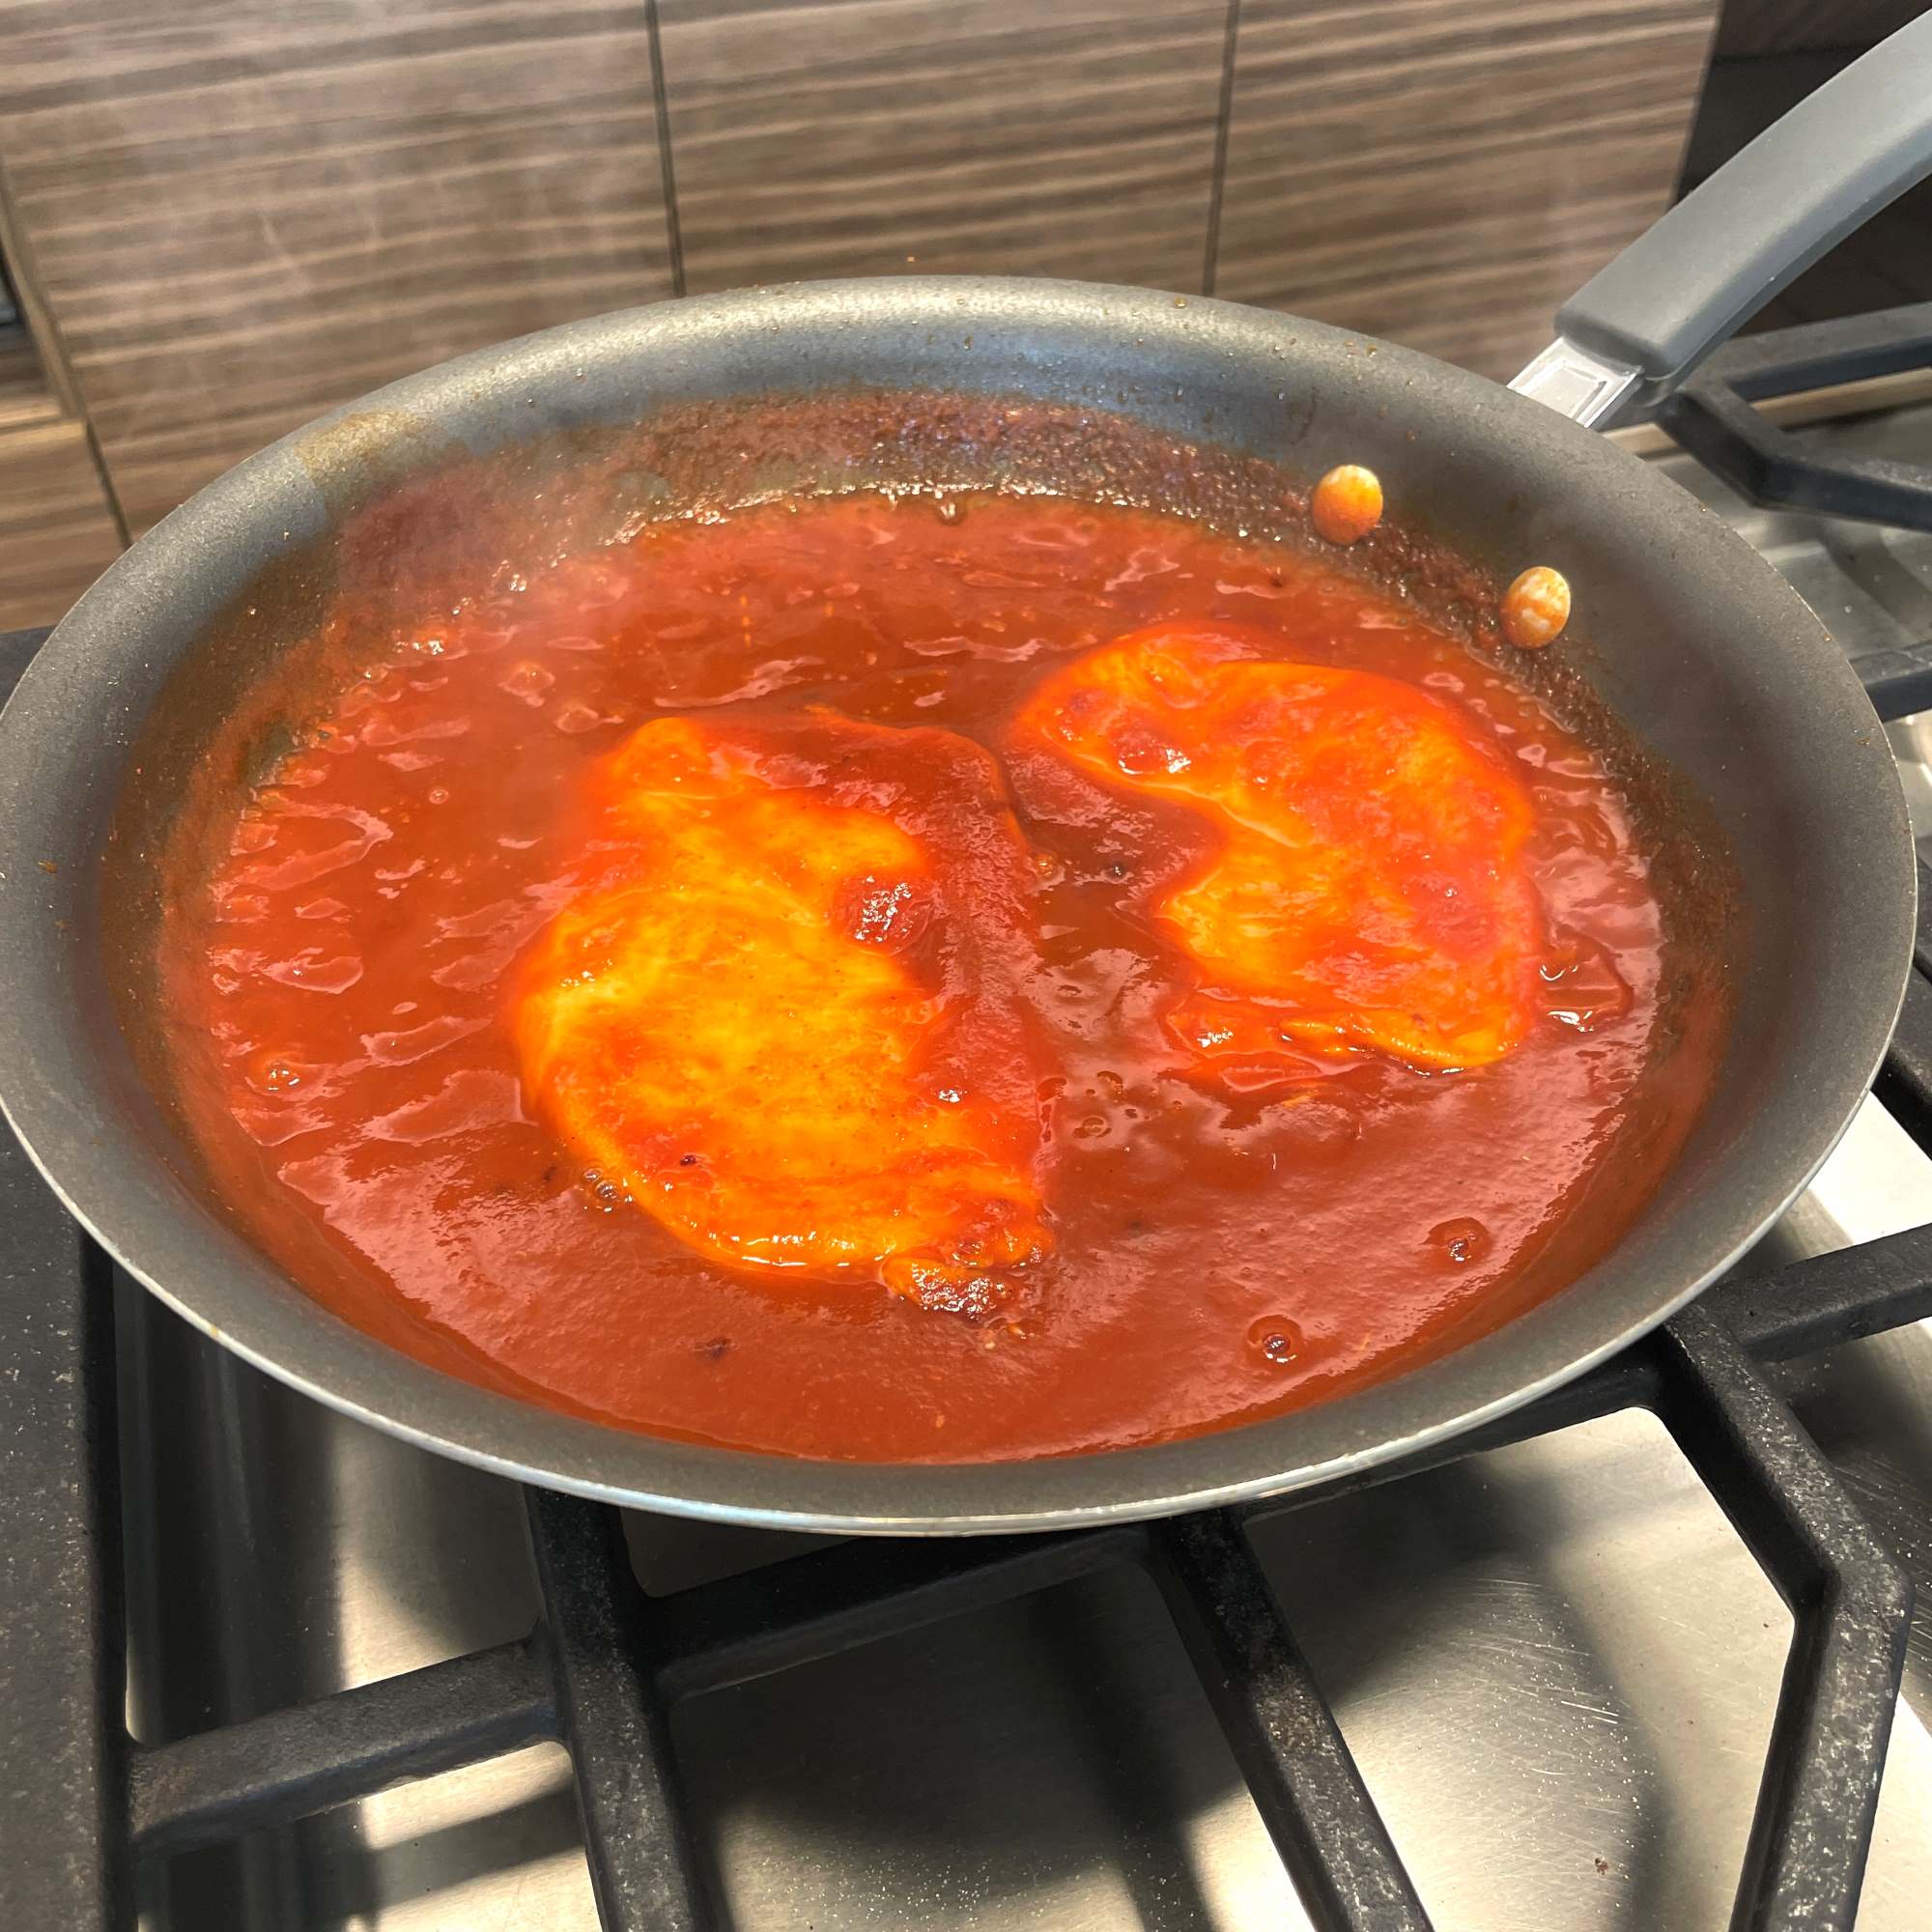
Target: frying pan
[1708, 660]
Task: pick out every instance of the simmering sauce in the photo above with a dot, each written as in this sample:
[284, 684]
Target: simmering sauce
[906, 980]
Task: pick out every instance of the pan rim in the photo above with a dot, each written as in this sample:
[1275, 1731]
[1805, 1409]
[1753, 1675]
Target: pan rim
[119, 1189]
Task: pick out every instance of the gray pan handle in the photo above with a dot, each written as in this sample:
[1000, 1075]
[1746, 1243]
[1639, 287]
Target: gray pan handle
[1636, 329]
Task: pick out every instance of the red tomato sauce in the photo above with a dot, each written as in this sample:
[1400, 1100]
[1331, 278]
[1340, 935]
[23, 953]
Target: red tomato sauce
[1228, 1238]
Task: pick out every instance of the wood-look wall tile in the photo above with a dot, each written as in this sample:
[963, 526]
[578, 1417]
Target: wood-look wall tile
[57, 532]
[242, 212]
[1442, 173]
[23, 389]
[840, 137]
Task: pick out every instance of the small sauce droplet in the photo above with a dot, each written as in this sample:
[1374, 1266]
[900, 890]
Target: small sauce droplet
[1461, 1240]
[1278, 1339]
[270, 1073]
[528, 681]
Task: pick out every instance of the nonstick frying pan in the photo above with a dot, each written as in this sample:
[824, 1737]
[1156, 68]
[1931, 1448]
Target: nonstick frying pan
[1708, 660]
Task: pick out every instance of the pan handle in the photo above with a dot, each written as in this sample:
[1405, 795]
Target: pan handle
[1636, 329]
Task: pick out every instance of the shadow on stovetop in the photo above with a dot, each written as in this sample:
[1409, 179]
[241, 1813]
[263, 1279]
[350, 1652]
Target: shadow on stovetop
[1555, 1666]
[1555, 1729]
[274, 1553]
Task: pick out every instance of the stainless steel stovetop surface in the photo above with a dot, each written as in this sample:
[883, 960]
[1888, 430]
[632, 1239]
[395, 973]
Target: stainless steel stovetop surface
[1556, 1663]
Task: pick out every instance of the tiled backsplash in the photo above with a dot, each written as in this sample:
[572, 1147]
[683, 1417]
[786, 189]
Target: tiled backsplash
[231, 217]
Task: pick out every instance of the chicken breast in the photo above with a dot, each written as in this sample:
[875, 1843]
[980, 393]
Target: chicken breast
[1370, 888]
[782, 1016]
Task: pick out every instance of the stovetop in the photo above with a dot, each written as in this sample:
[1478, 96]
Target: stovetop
[1556, 1663]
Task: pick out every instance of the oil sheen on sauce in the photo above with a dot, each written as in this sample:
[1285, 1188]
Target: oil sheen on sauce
[1211, 1227]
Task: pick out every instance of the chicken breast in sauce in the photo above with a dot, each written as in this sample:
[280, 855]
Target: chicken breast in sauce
[1370, 884]
[783, 1018]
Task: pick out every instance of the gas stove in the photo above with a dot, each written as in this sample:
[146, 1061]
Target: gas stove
[1626, 1660]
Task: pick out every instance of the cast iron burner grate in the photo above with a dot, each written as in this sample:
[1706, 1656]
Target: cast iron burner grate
[1716, 418]
[80, 1801]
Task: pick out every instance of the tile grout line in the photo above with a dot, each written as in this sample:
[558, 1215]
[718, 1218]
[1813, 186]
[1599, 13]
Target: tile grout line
[1211, 249]
[666, 170]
